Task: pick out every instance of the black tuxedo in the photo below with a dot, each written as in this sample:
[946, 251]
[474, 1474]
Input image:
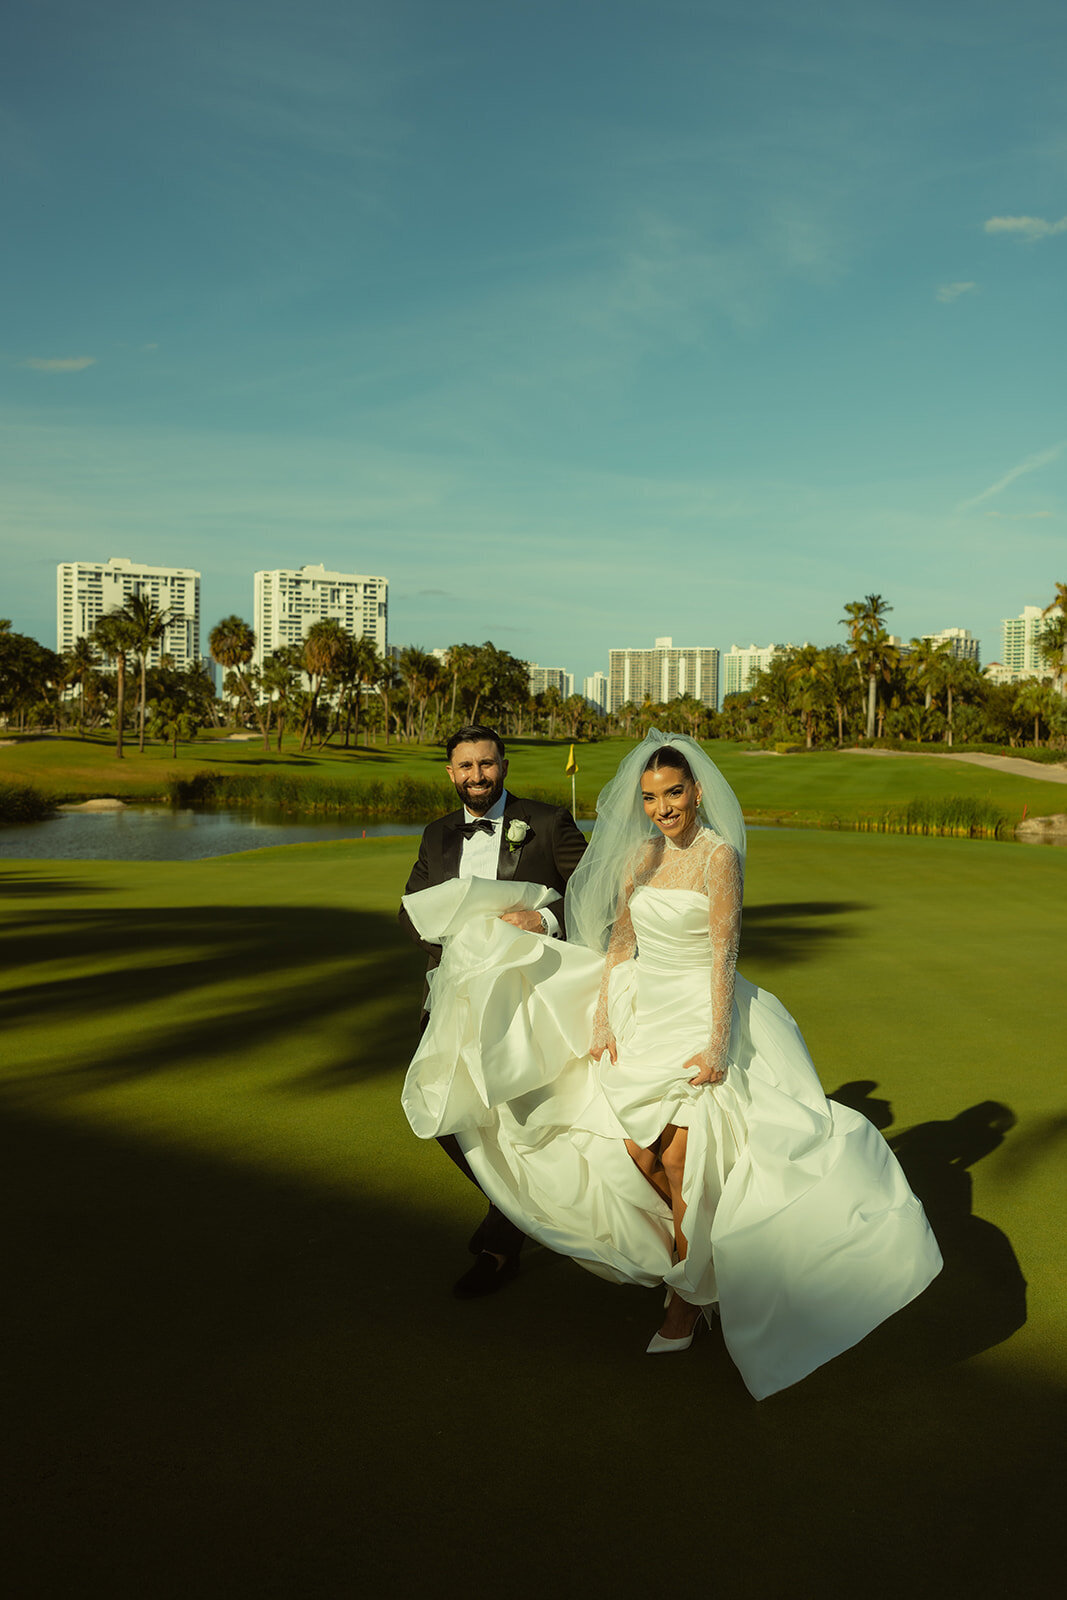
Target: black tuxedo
[548, 854]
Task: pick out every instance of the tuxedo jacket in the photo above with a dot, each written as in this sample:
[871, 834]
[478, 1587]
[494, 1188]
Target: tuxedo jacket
[551, 850]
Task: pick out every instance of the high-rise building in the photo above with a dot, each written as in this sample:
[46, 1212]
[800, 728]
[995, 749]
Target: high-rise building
[288, 600]
[742, 665]
[595, 690]
[666, 672]
[88, 590]
[1021, 656]
[542, 678]
[961, 642]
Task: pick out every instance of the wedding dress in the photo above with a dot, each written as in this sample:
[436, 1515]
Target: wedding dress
[800, 1224]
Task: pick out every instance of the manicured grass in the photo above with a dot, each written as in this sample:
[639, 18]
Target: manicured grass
[824, 788]
[237, 1368]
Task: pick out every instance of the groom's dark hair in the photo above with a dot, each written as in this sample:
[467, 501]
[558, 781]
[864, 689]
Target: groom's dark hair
[474, 735]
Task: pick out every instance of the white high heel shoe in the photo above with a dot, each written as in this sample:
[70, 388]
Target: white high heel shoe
[659, 1346]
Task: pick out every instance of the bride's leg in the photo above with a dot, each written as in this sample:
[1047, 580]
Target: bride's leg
[647, 1164]
[681, 1316]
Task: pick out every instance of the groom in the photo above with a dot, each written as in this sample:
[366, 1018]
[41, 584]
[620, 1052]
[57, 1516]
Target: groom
[494, 835]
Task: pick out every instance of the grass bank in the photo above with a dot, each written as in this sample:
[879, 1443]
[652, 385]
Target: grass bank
[809, 789]
[234, 1357]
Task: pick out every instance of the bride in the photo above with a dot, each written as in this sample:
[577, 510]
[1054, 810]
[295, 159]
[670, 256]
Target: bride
[629, 1100]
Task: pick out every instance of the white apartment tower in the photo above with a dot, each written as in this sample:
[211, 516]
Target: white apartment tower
[88, 590]
[666, 672]
[1021, 657]
[742, 665]
[542, 678]
[595, 690]
[961, 642]
[288, 600]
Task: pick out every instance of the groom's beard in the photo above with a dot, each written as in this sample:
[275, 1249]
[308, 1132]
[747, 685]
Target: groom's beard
[479, 804]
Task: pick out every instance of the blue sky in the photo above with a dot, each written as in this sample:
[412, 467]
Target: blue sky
[581, 322]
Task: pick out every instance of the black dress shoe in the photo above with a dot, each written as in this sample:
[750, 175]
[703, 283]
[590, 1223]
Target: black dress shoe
[476, 1242]
[486, 1276]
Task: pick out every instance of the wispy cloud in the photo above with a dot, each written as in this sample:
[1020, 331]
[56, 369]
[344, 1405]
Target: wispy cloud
[1031, 464]
[60, 363]
[948, 292]
[1020, 516]
[1028, 227]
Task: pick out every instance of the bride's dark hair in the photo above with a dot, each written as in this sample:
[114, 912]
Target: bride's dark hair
[665, 755]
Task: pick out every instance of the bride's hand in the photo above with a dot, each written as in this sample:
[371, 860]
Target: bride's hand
[706, 1073]
[598, 1047]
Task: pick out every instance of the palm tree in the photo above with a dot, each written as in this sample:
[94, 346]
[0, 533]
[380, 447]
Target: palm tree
[324, 646]
[115, 636]
[460, 660]
[922, 664]
[552, 705]
[150, 624]
[953, 677]
[80, 663]
[626, 714]
[385, 684]
[422, 674]
[359, 666]
[1052, 643]
[1034, 698]
[279, 683]
[838, 683]
[870, 645]
[232, 643]
[774, 689]
[690, 713]
[804, 669]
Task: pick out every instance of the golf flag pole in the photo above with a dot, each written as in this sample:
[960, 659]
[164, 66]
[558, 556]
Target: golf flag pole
[572, 768]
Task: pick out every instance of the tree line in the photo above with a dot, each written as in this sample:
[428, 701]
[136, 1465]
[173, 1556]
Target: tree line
[870, 687]
[334, 686]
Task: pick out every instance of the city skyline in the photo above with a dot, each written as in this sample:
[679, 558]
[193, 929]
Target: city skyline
[315, 593]
[583, 324]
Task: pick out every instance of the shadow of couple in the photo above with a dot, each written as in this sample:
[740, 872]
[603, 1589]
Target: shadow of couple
[979, 1299]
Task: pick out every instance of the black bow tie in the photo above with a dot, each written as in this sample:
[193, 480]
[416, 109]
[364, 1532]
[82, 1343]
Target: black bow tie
[469, 829]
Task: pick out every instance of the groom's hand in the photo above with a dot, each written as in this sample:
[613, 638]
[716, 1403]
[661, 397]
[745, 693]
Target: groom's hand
[529, 921]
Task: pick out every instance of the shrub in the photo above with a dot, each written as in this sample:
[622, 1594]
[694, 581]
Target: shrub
[21, 802]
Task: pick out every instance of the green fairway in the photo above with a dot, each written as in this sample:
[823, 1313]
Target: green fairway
[819, 787]
[237, 1366]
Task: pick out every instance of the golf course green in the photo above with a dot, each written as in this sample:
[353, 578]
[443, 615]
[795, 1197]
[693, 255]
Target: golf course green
[237, 1368]
[819, 787]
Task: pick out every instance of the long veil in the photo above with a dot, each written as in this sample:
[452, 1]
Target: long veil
[622, 828]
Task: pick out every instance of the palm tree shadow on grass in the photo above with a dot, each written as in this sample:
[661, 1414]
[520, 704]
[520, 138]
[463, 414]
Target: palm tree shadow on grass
[287, 969]
[225, 1380]
[979, 1298]
[24, 884]
[788, 932]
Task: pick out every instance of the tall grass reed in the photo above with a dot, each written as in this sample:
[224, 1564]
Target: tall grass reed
[402, 799]
[961, 816]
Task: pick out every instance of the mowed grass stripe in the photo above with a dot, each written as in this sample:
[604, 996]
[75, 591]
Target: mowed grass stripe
[236, 1365]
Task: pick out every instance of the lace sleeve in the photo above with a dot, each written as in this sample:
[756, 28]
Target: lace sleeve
[621, 946]
[725, 887]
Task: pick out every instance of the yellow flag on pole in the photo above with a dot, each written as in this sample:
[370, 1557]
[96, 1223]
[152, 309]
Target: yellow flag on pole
[572, 765]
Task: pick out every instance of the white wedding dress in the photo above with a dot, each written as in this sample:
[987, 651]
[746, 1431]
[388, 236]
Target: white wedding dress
[799, 1222]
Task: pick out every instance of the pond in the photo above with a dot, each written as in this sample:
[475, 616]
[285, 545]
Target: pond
[152, 833]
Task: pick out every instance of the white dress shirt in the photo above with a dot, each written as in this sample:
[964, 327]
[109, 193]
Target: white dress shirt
[480, 854]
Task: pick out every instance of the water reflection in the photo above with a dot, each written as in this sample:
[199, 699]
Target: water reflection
[151, 833]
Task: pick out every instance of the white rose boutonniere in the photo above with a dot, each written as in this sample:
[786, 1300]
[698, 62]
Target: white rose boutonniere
[516, 834]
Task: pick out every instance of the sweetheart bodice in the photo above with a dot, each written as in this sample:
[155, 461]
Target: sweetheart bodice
[672, 928]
